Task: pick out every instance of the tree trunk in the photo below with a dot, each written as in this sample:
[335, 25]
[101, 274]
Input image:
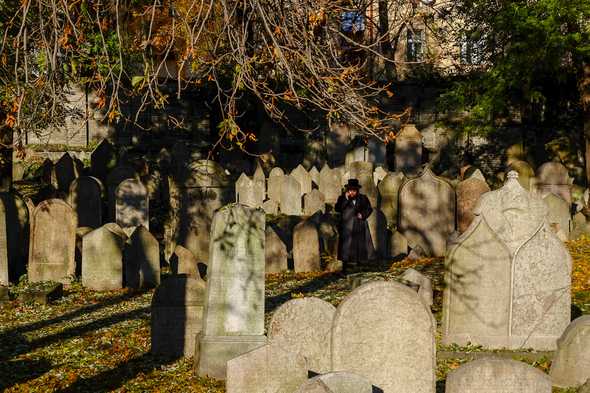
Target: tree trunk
[585, 101]
[5, 159]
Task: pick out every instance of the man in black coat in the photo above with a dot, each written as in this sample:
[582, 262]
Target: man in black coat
[356, 245]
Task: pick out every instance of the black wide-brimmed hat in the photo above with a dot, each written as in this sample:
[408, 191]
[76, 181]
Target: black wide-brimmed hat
[353, 183]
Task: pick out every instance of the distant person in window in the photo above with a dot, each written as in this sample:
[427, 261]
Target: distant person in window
[356, 246]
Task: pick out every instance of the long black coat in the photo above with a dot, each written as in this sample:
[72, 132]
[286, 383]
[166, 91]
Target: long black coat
[356, 245]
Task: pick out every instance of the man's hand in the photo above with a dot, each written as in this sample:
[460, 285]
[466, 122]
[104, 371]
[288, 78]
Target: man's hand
[347, 194]
[359, 216]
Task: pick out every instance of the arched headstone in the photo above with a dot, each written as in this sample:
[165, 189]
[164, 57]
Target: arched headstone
[132, 205]
[102, 258]
[85, 198]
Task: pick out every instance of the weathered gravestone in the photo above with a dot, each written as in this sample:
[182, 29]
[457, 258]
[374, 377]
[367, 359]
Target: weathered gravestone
[427, 213]
[183, 261]
[330, 184]
[421, 283]
[388, 192]
[303, 177]
[363, 172]
[338, 382]
[177, 312]
[306, 247]
[275, 252]
[85, 199]
[245, 192]
[553, 177]
[275, 181]
[468, 193]
[303, 326]
[526, 174]
[48, 173]
[558, 213]
[142, 260]
[102, 160]
[571, 364]
[53, 242]
[408, 150]
[268, 369]
[259, 185]
[271, 207]
[102, 258]
[132, 205]
[495, 375]
[356, 154]
[233, 319]
[370, 334]
[508, 276]
[379, 174]
[65, 172]
[313, 202]
[114, 179]
[377, 223]
[290, 203]
[14, 237]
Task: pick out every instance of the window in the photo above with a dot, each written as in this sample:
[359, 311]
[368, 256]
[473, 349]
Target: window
[415, 45]
[352, 22]
[471, 51]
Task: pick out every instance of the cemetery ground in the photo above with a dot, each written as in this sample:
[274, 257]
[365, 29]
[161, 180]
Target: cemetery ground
[100, 341]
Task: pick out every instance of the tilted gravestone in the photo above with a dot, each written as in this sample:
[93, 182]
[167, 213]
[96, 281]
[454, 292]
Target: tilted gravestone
[330, 184]
[468, 193]
[142, 260]
[53, 242]
[553, 177]
[176, 316]
[303, 177]
[275, 181]
[65, 172]
[571, 363]
[268, 369]
[102, 258]
[427, 213]
[508, 276]
[290, 203]
[85, 199]
[495, 375]
[313, 201]
[233, 319]
[337, 382]
[306, 247]
[373, 319]
[14, 236]
[408, 150]
[421, 283]
[558, 213]
[275, 252]
[303, 326]
[102, 160]
[132, 205]
[388, 192]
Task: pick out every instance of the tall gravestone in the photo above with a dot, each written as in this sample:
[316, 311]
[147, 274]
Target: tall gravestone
[245, 191]
[85, 199]
[495, 375]
[508, 276]
[53, 242]
[65, 172]
[427, 213]
[303, 177]
[275, 181]
[370, 334]
[553, 177]
[306, 247]
[290, 203]
[388, 195]
[141, 259]
[571, 363]
[176, 316]
[132, 205]
[114, 179]
[233, 319]
[468, 193]
[275, 252]
[408, 150]
[102, 258]
[330, 184]
[14, 236]
[102, 160]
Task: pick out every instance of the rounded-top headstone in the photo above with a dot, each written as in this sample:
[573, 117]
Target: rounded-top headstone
[553, 173]
[571, 364]
[206, 173]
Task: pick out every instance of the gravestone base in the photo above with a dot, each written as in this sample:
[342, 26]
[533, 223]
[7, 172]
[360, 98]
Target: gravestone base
[213, 352]
[44, 295]
[539, 343]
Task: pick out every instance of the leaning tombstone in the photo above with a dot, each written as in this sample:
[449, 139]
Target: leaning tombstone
[330, 184]
[427, 213]
[177, 314]
[408, 150]
[53, 243]
[495, 375]
[142, 260]
[233, 319]
[65, 172]
[102, 258]
[423, 284]
[306, 247]
[313, 202]
[571, 363]
[553, 177]
[468, 193]
[373, 319]
[363, 172]
[245, 191]
[337, 382]
[290, 203]
[275, 252]
[268, 369]
[303, 326]
[132, 205]
[85, 199]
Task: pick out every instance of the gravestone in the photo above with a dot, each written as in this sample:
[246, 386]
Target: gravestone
[357, 154]
[330, 184]
[275, 180]
[290, 203]
[176, 316]
[408, 150]
[303, 326]
[571, 363]
[468, 193]
[102, 160]
[427, 213]
[142, 260]
[114, 179]
[363, 172]
[233, 319]
[553, 177]
[102, 258]
[245, 191]
[53, 242]
[495, 375]
[525, 172]
[303, 177]
[65, 172]
[259, 185]
[329, 238]
[48, 173]
[183, 261]
[85, 199]
[508, 276]
[132, 205]
[388, 191]
[423, 284]
[306, 247]
[370, 334]
[379, 174]
[271, 207]
[268, 369]
[14, 236]
[377, 223]
[377, 151]
[337, 382]
[315, 176]
[275, 252]
[558, 213]
[313, 201]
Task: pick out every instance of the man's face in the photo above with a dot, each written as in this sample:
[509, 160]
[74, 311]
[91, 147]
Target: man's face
[353, 192]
